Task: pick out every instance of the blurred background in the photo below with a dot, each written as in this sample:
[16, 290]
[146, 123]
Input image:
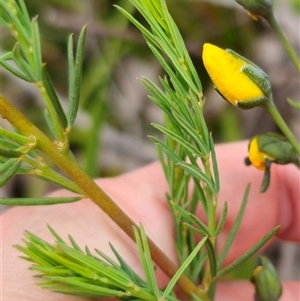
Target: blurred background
[110, 135]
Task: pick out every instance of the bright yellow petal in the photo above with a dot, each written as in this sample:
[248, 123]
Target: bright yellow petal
[256, 157]
[224, 70]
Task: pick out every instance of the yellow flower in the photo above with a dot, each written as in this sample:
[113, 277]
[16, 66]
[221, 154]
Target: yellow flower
[226, 70]
[270, 148]
[256, 156]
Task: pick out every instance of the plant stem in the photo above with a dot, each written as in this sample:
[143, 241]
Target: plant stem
[67, 163]
[272, 110]
[273, 23]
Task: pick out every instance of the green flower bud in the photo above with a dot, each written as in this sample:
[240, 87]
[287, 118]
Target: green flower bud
[268, 148]
[266, 281]
[257, 7]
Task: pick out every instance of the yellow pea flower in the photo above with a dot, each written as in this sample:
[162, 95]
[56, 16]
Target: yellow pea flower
[270, 148]
[256, 156]
[238, 80]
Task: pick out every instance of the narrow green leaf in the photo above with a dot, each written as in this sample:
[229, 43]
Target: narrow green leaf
[166, 150]
[145, 258]
[235, 227]
[54, 98]
[107, 259]
[200, 224]
[50, 124]
[25, 15]
[21, 62]
[125, 267]
[198, 266]
[3, 20]
[293, 104]
[197, 173]
[182, 141]
[74, 244]
[38, 201]
[9, 169]
[9, 153]
[184, 265]
[211, 257]
[195, 229]
[14, 71]
[214, 164]
[16, 18]
[180, 45]
[191, 218]
[163, 106]
[71, 64]
[201, 196]
[222, 220]
[51, 271]
[75, 70]
[78, 286]
[9, 144]
[249, 253]
[177, 82]
[5, 134]
[158, 96]
[36, 49]
[55, 234]
[192, 132]
[178, 102]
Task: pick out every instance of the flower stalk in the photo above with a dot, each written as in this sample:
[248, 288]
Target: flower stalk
[273, 111]
[289, 49]
[264, 9]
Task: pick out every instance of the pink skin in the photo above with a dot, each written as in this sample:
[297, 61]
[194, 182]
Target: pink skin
[141, 194]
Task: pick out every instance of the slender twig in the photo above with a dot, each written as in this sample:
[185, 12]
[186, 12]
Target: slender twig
[272, 110]
[292, 54]
[67, 163]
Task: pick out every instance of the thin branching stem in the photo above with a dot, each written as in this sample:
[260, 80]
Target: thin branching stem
[67, 163]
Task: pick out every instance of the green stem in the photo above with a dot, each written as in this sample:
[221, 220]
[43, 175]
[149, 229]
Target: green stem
[67, 163]
[273, 23]
[272, 110]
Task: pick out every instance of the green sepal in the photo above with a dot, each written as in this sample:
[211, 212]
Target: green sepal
[251, 103]
[266, 281]
[237, 55]
[277, 147]
[256, 74]
[267, 177]
[245, 104]
[259, 77]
